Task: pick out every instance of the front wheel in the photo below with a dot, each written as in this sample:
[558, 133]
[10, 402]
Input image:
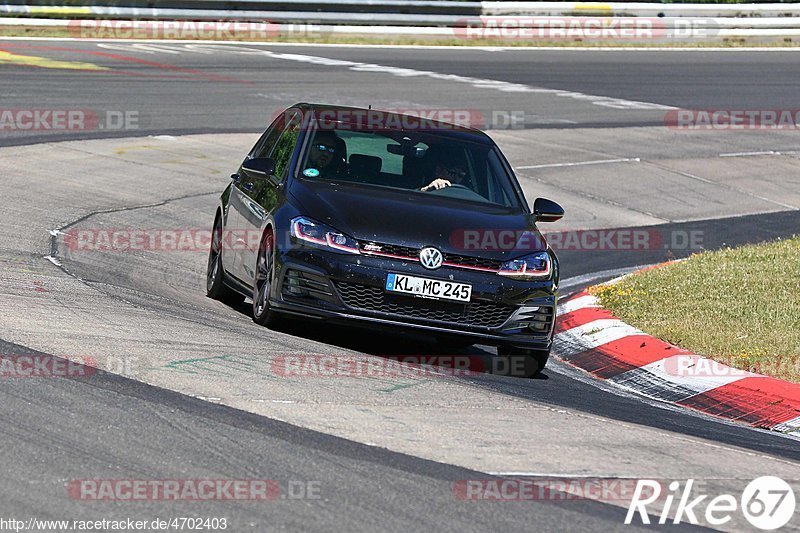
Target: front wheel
[262, 286]
[520, 362]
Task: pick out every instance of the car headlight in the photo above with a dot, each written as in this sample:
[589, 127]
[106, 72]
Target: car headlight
[322, 235]
[535, 266]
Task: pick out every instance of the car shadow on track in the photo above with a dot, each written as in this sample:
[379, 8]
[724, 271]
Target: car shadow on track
[560, 390]
[399, 345]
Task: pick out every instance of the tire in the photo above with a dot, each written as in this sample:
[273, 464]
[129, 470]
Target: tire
[522, 362]
[262, 285]
[215, 272]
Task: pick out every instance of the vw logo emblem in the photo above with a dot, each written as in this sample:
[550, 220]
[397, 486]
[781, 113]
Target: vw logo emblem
[430, 257]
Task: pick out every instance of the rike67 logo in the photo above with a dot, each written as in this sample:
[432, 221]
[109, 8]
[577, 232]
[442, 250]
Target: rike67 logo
[768, 503]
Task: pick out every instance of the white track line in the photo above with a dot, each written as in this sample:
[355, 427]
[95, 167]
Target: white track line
[581, 163]
[481, 83]
[748, 154]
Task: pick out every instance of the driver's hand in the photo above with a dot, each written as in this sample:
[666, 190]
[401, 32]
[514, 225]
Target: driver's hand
[436, 184]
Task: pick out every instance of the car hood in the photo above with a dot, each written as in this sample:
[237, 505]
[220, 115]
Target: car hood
[415, 220]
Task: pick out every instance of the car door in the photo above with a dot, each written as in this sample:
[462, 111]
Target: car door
[236, 236]
[259, 196]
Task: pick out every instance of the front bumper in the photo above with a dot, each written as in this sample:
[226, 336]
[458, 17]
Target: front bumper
[348, 287]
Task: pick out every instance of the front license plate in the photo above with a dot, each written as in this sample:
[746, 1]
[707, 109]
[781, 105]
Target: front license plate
[429, 288]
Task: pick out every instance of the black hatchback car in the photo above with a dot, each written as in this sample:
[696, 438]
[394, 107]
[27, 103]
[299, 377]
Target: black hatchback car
[391, 220]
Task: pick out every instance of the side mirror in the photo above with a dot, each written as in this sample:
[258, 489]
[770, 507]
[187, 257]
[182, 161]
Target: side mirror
[547, 210]
[259, 167]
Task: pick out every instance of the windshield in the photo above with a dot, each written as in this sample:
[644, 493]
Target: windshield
[422, 162]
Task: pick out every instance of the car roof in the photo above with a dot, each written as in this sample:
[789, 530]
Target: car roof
[426, 124]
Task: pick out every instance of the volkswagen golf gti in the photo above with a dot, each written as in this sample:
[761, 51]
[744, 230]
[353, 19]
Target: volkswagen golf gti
[390, 221]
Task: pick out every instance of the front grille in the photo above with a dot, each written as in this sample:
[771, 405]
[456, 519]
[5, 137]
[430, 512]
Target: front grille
[456, 260]
[534, 320]
[481, 314]
[300, 284]
[393, 249]
[466, 261]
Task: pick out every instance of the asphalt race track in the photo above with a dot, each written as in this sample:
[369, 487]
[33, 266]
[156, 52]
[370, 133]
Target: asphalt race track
[187, 387]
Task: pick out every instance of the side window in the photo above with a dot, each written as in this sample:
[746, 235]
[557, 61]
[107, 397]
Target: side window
[284, 147]
[499, 189]
[264, 145]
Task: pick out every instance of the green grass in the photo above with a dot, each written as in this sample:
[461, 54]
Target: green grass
[739, 306]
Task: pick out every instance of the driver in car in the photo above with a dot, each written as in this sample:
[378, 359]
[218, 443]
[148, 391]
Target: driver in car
[446, 176]
[323, 155]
